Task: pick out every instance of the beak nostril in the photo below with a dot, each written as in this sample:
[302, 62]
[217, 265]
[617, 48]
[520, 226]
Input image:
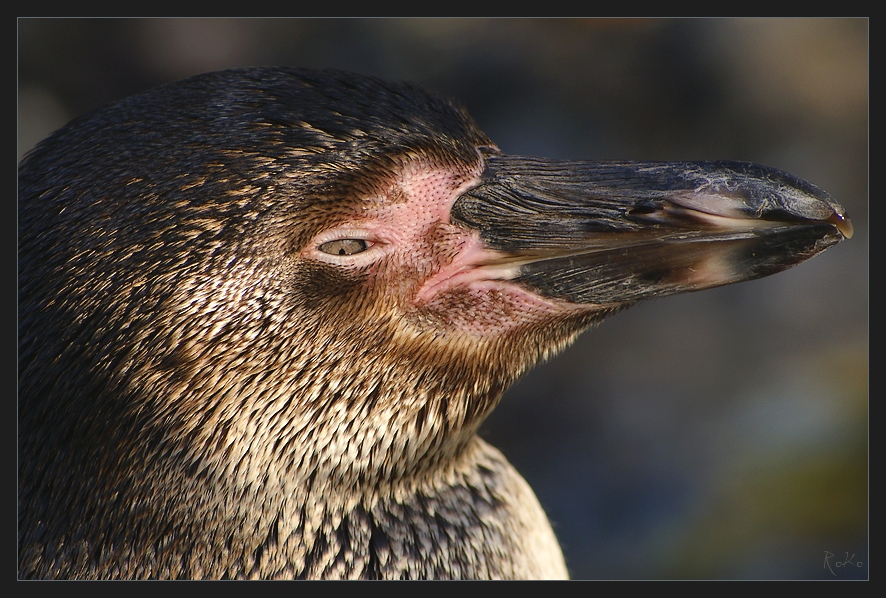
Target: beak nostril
[641, 210]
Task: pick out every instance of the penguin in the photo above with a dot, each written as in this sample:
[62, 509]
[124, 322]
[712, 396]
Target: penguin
[262, 313]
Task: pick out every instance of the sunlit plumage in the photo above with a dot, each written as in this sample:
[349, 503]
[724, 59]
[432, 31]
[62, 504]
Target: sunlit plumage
[263, 312]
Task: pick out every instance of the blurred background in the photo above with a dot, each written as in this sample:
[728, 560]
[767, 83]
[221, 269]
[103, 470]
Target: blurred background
[722, 434]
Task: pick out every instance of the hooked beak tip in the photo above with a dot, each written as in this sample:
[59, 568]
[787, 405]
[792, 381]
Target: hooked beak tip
[842, 223]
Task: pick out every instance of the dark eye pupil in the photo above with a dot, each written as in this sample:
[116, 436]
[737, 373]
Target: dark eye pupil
[344, 246]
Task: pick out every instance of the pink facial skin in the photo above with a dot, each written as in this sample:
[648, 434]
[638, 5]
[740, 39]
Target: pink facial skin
[441, 270]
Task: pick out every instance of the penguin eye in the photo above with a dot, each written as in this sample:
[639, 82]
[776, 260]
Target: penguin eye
[344, 246]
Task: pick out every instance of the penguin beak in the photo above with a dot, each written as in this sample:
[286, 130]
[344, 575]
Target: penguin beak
[610, 233]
